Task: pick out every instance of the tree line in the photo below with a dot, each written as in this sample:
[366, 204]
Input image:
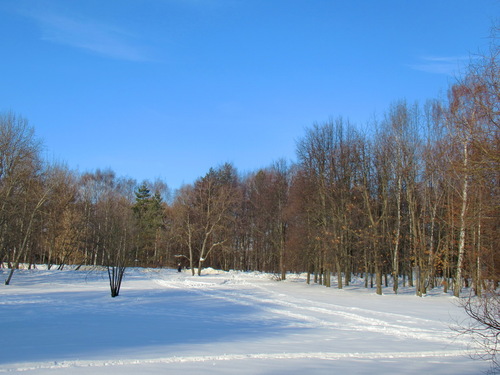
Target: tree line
[414, 202]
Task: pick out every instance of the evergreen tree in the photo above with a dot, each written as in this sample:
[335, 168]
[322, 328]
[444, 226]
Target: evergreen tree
[148, 212]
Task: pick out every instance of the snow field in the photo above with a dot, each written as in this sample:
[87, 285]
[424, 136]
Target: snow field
[61, 322]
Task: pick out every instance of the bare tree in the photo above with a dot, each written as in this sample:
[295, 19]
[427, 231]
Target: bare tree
[205, 212]
[108, 215]
[118, 234]
[117, 230]
[484, 326]
[268, 200]
[23, 189]
[215, 197]
[475, 111]
[330, 159]
[183, 228]
[62, 220]
[375, 192]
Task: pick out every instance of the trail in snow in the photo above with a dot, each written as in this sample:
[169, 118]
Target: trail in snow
[319, 314]
[222, 323]
[234, 357]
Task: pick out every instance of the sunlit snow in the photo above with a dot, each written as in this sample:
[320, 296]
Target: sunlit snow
[56, 322]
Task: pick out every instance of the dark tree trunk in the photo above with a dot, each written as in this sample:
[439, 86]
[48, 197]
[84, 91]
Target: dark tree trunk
[115, 275]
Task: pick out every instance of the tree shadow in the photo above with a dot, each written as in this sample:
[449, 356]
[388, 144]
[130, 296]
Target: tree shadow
[57, 326]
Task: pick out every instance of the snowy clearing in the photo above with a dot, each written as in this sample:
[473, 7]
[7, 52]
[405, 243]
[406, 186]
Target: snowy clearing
[56, 322]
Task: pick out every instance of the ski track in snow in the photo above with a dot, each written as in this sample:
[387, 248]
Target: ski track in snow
[296, 310]
[234, 357]
[301, 309]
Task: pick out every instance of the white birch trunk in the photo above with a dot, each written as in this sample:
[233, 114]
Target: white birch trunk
[461, 238]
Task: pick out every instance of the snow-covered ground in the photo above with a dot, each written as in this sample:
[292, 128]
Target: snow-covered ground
[164, 322]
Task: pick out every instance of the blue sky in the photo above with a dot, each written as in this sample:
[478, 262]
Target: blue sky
[169, 88]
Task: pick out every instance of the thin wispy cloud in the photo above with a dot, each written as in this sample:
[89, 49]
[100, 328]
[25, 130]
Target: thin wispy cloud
[448, 65]
[90, 35]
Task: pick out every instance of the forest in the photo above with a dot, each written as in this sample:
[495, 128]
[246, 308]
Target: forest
[415, 201]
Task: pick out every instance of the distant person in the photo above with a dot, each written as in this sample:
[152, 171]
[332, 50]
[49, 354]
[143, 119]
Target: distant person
[179, 268]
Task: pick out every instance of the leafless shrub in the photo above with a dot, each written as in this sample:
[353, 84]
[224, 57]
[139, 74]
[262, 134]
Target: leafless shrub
[484, 326]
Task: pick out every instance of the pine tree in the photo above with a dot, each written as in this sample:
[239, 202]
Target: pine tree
[148, 212]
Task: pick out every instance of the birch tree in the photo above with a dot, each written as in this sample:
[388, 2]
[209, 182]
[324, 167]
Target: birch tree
[22, 194]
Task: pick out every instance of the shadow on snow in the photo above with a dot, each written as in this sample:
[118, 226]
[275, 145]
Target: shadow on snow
[62, 325]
